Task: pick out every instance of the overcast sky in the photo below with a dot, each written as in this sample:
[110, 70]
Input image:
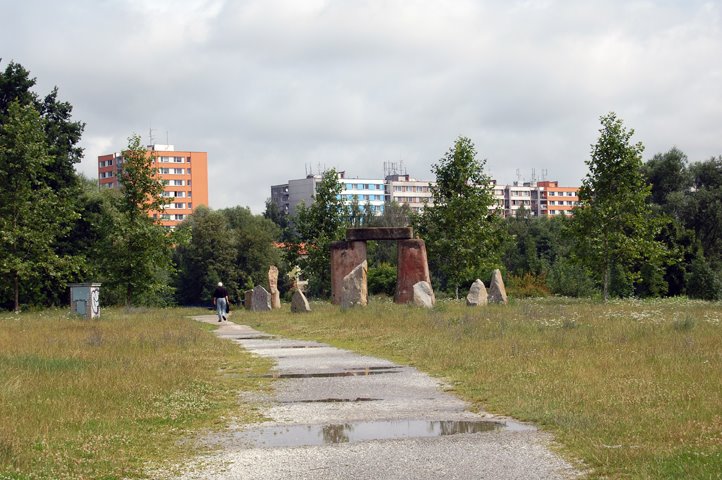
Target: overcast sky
[273, 88]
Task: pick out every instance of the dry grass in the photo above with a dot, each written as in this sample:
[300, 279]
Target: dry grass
[101, 399]
[632, 388]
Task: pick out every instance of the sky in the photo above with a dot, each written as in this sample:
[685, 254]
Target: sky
[276, 89]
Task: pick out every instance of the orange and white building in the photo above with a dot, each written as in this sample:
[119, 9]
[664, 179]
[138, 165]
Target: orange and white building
[184, 175]
[559, 200]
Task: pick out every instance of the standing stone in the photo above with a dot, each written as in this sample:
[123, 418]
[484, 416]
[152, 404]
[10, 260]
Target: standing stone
[424, 295]
[497, 292]
[299, 303]
[248, 299]
[355, 290]
[345, 256]
[412, 267]
[477, 294]
[261, 299]
[273, 287]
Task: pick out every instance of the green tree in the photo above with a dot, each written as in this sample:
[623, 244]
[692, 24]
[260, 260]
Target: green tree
[208, 257]
[253, 239]
[136, 251]
[703, 208]
[280, 218]
[317, 225]
[33, 217]
[382, 252]
[463, 234]
[613, 227]
[62, 136]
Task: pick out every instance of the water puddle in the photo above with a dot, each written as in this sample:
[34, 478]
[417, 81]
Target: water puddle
[353, 372]
[254, 337]
[335, 400]
[270, 347]
[308, 435]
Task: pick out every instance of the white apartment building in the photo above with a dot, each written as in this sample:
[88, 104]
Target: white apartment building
[537, 198]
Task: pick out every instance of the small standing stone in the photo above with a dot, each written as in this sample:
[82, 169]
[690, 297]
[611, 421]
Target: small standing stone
[248, 299]
[424, 295]
[477, 294]
[355, 291]
[261, 301]
[497, 292]
[299, 303]
[273, 287]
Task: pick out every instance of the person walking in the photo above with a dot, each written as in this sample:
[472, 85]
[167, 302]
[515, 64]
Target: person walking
[220, 300]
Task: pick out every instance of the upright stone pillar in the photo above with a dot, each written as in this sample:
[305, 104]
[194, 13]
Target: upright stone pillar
[273, 287]
[412, 268]
[345, 256]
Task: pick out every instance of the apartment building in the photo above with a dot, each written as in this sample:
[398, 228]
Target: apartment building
[368, 193]
[404, 190]
[539, 199]
[184, 175]
[557, 200]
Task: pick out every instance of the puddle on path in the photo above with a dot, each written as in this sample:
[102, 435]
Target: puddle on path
[270, 347]
[354, 372]
[334, 400]
[308, 435]
[254, 337]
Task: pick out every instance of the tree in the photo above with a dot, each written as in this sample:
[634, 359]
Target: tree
[208, 257]
[613, 227]
[463, 235]
[136, 251]
[33, 217]
[253, 240]
[61, 136]
[317, 225]
[703, 208]
[667, 173]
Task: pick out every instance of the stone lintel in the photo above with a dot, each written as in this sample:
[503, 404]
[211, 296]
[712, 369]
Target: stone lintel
[379, 233]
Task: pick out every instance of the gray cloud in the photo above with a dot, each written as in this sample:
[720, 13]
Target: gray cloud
[270, 87]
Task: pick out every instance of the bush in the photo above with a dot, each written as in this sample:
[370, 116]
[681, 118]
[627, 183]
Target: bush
[702, 281]
[570, 280]
[527, 285]
[382, 279]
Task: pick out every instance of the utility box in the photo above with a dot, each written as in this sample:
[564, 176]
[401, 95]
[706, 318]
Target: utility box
[85, 299]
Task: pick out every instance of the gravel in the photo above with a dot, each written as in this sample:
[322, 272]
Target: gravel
[354, 390]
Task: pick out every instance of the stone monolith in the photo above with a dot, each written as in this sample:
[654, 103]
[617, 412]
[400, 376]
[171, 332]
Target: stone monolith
[424, 295]
[299, 302]
[497, 292]
[477, 294]
[261, 299]
[355, 290]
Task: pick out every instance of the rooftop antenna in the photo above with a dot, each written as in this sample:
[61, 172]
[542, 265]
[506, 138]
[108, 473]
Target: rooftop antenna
[167, 142]
[533, 175]
[518, 176]
[544, 173]
[150, 134]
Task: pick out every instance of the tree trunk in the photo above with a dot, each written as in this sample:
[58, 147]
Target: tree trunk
[457, 292]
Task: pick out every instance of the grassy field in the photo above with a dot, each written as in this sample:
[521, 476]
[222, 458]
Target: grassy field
[632, 389]
[104, 399]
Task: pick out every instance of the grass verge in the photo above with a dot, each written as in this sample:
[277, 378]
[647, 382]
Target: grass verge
[103, 399]
[632, 389]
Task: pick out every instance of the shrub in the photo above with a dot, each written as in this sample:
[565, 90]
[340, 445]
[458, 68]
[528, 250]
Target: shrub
[382, 279]
[527, 285]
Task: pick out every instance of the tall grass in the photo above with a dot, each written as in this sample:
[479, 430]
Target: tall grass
[100, 399]
[633, 389]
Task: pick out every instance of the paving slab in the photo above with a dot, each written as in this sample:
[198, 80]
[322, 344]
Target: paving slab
[336, 414]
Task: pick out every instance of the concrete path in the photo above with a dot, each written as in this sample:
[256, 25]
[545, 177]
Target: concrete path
[339, 415]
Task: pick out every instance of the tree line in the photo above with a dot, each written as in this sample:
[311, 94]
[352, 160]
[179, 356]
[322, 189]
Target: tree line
[643, 228]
